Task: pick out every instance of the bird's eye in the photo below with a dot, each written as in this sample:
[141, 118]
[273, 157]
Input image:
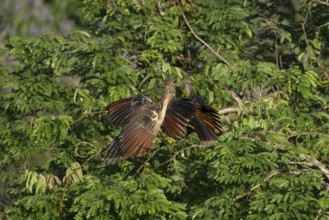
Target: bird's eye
[170, 91]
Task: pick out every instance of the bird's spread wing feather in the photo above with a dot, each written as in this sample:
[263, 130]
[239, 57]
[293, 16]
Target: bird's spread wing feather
[120, 112]
[204, 119]
[135, 138]
[179, 114]
[206, 123]
[211, 118]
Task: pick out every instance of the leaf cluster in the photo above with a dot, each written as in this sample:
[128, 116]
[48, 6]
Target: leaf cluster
[271, 162]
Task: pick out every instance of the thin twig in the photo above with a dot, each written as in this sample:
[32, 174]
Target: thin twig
[148, 159]
[323, 3]
[228, 110]
[300, 133]
[77, 148]
[88, 114]
[234, 96]
[318, 60]
[178, 174]
[316, 163]
[268, 176]
[66, 185]
[176, 153]
[245, 3]
[309, 158]
[308, 133]
[276, 52]
[322, 26]
[204, 43]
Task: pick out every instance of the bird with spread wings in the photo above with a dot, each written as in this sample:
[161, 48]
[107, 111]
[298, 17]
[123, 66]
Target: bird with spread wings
[141, 120]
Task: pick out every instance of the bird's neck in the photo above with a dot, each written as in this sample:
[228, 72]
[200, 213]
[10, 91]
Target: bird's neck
[190, 92]
[163, 107]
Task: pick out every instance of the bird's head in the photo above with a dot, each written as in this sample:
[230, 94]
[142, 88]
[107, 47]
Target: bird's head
[187, 86]
[170, 89]
[186, 82]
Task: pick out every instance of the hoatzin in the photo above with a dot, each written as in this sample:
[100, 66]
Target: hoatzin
[140, 120]
[205, 120]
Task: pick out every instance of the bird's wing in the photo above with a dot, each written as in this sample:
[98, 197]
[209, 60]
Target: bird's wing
[120, 112]
[206, 123]
[178, 115]
[210, 117]
[204, 120]
[135, 138]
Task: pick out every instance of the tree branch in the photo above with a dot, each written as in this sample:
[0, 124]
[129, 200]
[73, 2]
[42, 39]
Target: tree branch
[76, 150]
[228, 110]
[67, 183]
[316, 163]
[268, 176]
[204, 43]
[173, 157]
[323, 3]
[309, 158]
[149, 157]
[88, 114]
[233, 95]
[308, 133]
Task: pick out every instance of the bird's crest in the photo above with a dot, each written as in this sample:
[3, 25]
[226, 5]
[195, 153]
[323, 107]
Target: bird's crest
[187, 80]
[170, 84]
[170, 87]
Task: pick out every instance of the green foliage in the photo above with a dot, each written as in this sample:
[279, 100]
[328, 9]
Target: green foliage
[51, 130]
[270, 163]
[35, 17]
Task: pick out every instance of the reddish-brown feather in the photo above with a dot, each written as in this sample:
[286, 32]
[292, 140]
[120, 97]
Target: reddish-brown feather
[128, 146]
[118, 104]
[173, 127]
[178, 116]
[136, 142]
[140, 121]
[140, 141]
[147, 141]
[206, 119]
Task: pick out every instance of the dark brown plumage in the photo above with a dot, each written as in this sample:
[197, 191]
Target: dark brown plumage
[179, 114]
[140, 120]
[120, 112]
[206, 120]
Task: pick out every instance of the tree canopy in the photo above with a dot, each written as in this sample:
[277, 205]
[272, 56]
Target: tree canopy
[263, 64]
